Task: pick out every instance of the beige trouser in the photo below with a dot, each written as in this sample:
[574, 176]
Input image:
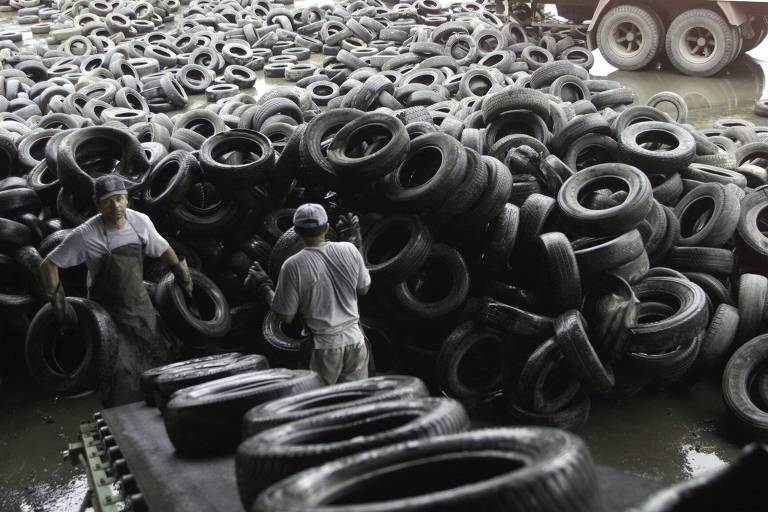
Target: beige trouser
[343, 364]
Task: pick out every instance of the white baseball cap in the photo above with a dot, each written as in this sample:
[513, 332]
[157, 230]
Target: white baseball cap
[310, 215]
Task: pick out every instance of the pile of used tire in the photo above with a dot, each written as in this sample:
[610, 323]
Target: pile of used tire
[286, 425]
[531, 234]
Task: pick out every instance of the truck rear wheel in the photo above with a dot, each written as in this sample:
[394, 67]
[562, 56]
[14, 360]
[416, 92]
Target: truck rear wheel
[700, 42]
[630, 37]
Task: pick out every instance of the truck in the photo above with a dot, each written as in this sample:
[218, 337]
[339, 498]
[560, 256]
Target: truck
[698, 37]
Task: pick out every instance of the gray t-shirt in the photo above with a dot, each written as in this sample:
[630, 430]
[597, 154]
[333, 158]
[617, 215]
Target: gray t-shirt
[321, 283]
[88, 242]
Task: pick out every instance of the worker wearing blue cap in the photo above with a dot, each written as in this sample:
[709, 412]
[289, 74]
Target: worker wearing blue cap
[322, 283]
[113, 244]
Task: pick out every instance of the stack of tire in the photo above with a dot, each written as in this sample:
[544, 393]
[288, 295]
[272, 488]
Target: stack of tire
[289, 429]
[503, 192]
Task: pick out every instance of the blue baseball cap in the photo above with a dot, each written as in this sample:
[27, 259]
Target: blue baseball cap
[310, 215]
[108, 186]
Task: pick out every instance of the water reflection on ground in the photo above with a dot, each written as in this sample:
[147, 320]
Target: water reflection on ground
[730, 94]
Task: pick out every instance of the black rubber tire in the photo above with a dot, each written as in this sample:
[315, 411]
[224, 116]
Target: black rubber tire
[515, 99]
[562, 277]
[612, 221]
[148, 377]
[318, 131]
[750, 233]
[18, 201]
[571, 337]
[288, 166]
[548, 73]
[515, 321]
[331, 398]
[286, 246]
[391, 262]
[490, 203]
[717, 206]
[643, 20]
[572, 417]
[435, 166]
[546, 362]
[589, 150]
[682, 147]
[570, 88]
[13, 235]
[538, 214]
[170, 180]
[558, 475]
[595, 255]
[502, 238]
[172, 380]
[577, 128]
[104, 144]
[177, 311]
[48, 345]
[387, 146]
[205, 418]
[470, 363]
[752, 298]
[281, 452]
[711, 174]
[637, 114]
[716, 344]
[677, 101]
[284, 341]
[716, 291]
[217, 154]
[444, 264]
[469, 192]
[205, 211]
[738, 376]
[662, 369]
[688, 317]
[709, 260]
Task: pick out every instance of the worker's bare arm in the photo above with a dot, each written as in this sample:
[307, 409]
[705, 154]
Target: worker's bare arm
[49, 274]
[169, 257]
[363, 291]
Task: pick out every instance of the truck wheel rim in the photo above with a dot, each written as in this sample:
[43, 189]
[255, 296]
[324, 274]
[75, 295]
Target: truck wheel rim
[627, 38]
[698, 44]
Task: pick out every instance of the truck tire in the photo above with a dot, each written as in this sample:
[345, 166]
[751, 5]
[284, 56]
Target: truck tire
[630, 37]
[713, 48]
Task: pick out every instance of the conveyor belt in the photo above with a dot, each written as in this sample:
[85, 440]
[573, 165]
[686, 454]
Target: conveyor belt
[170, 483]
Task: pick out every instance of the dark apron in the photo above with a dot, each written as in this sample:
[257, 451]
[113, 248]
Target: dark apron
[119, 288]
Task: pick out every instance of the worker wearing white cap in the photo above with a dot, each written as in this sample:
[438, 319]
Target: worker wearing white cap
[322, 283]
[113, 245]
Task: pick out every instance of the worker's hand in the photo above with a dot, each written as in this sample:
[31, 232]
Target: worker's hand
[62, 310]
[257, 281]
[183, 277]
[348, 229]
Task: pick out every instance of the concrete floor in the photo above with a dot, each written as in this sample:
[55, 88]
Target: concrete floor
[666, 435]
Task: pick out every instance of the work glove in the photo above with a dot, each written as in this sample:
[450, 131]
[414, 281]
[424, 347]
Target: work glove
[183, 277]
[348, 229]
[62, 310]
[257, 281]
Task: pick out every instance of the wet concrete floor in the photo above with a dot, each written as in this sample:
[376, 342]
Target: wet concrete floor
[667, 435]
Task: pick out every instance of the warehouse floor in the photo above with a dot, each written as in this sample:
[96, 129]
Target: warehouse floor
[665, 435]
